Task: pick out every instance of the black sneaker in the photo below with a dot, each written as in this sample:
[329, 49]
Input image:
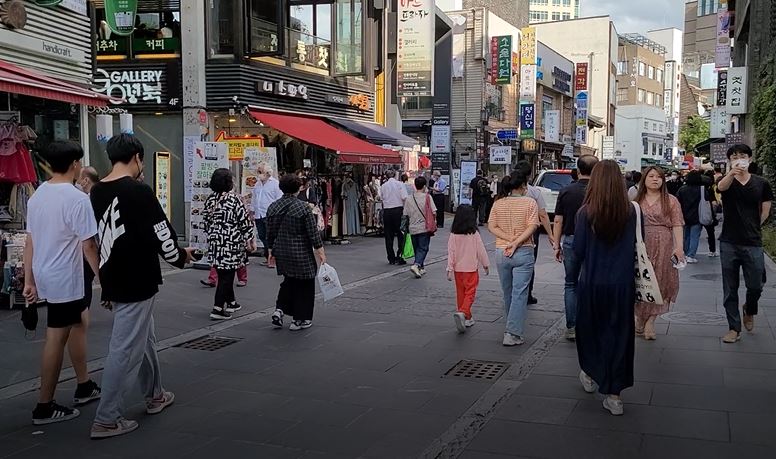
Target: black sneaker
[277, 318]
[532, 300]
[207, 284]
[220, 314]
[401, 262]
[86, 393]
[49, 413]
[232, 308]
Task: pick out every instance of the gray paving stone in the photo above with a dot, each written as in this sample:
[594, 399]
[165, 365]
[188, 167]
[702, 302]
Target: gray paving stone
[698, 330]
[713, 398]
[754, 428]
[549, 441]
[239, 401]
[570, 388]
[719, 359]
[318, 412]
[536, 409]
[308, 436]
[678, 422]
[226, 448]
[748, 379]
[679, 374]
[244, 426]
[682, 448]
[472, 454]
[396, 445]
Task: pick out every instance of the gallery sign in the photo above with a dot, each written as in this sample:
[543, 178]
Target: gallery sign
[415, 48]
[157, 88]
[282, 88]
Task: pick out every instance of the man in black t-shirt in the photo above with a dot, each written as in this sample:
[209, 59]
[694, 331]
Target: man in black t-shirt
[480, 196]
[133, 232]
[570, 200]
[746, 202]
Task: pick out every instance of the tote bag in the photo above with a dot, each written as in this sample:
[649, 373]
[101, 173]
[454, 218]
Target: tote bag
[705, 216]
[647, 288]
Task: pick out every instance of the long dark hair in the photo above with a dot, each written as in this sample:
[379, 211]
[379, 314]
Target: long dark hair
[606, 201]
[465, 221]
[642, 193]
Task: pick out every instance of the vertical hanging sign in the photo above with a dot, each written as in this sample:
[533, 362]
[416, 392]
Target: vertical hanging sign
[120, 15]
[581, 76]
[722, 83]
[527, 120]
[528, 46]
[504, 60]
[736, 91]
[415, 49]
[722, 51]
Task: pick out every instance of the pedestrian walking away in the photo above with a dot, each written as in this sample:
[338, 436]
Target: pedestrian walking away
[746, 200]
[292, 237]
[133, 233]
[265, 192]
[421, 211]
[604, 244]
[465, 255]
[525, 168]
[393, 193]
[480, 196]
[229, 234]
[664, 238]
[61, 233]
[689, 197]
[569, 202]
[513, 221]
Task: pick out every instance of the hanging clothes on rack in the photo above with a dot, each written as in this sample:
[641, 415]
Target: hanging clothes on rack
[351, 225]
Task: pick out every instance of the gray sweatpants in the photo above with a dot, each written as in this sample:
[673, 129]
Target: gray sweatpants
[131, 356]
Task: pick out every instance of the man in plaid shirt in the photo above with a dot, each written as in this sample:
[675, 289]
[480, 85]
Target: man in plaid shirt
[292, 236]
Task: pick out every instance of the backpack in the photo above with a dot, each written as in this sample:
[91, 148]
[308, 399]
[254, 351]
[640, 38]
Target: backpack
[483, 187]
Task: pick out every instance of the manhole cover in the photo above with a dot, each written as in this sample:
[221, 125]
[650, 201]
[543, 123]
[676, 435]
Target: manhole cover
[696, 318]
[707, 277]
[477, 370]
[208, 343]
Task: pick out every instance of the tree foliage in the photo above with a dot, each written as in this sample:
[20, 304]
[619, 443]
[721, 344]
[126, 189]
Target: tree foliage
[694, 132]
[764, 118]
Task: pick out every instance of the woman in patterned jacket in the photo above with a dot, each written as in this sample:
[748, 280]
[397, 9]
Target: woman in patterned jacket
[229, 235]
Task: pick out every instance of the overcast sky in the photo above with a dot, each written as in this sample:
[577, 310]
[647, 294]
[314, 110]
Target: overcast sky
[638, 16]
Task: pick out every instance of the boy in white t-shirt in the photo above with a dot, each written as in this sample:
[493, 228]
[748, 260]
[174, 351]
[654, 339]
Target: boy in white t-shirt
[61, 231]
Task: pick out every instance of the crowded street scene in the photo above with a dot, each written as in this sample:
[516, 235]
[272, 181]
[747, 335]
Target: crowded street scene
[387, 229]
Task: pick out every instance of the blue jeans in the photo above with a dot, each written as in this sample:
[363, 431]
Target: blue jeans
[736, 258]
[571, 264]
[261, 232]
[692, 236]
[420, 243]
[514, 274]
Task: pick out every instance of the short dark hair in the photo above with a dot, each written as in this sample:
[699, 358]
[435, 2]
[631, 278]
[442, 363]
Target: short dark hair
[122, 148]
[290, 184]
[636, 177]
[420, 183]
[524, 167]
[739, 148]
[404, 177]
[222, 181]
[586, 163]
[479, 172]
[62, 154]
[465, 221]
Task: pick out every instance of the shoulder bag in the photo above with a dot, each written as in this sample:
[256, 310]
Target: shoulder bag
[428, 214]
[647, 288]
[705, 216]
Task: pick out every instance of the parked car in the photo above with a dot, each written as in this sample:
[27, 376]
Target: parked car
[550, 182]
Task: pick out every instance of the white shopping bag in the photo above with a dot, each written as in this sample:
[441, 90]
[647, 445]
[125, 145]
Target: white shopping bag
[647, 288]
[329, 282]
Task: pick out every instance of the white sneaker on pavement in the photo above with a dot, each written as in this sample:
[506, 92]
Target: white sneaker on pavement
[691, 260]
[416, 271]
[512, 340]
[469, 323]
[460, 320]
[614, 406]
[587, 382]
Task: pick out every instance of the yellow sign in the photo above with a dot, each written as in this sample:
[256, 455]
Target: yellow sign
[528, 46]
[237, 145]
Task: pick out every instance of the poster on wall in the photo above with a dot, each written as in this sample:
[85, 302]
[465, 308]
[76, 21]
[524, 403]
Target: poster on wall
[237, 145]
[254, 156]
[162, 181]
[415, 50]
[455, 186]
[552, 126]
[500, 154]
[468, 172]
[120, 16]
[208, 156]
[189, 146]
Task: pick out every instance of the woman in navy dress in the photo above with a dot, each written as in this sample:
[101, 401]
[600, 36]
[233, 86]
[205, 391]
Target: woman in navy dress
[605, 244]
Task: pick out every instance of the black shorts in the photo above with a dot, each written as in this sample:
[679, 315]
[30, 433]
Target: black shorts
[62, 315]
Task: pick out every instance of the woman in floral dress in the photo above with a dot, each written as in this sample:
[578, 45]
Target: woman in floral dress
[664, 237]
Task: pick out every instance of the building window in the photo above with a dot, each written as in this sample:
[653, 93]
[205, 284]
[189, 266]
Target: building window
[157, 35]
[555, 16]
[651, 72]
[707, 7]
[646, 125]
[221, 30]
[658, 100]
[566, 16]
[642, 95]
[265, 25]
[642, 69]
[539, 2]
[622, 68]
[349, 41]
[654, 149]
[622, 95]
[659, 75]
[555, 2]
[660, 127]
[417, 103]
[650, 98]
[654, 127]
[567, 3]
[539, 16]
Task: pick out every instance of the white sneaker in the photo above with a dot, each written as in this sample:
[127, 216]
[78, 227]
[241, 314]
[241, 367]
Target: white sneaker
[300, 325]
[460, 320]
[691, 260]
[713, 254]
[469, 323]
[587, 382]
[277, 319]
[613, 406]
[422, 271]
[416, 271]
[512, 340]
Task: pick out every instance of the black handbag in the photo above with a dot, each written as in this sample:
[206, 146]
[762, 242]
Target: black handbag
[404, 226]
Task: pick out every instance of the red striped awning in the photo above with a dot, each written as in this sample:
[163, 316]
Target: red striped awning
[18, 80]
[315, 131]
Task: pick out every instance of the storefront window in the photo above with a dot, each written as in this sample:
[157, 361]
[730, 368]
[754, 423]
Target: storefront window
[310, 33]
[265, 25]
[349, 31]
[222, 27]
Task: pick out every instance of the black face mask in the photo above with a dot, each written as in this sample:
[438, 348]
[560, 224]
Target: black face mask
[139, 167]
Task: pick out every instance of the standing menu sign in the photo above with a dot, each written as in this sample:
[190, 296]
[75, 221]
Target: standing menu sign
[162, 181]
[468, 172]
[415, 60]
[252, 157]
[208, 156]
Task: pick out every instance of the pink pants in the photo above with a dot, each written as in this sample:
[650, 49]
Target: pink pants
[242, 275]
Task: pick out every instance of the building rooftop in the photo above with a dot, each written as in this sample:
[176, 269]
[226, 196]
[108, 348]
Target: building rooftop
[644, 42]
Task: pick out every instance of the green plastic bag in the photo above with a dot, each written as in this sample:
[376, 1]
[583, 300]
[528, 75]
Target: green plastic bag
[409, 250]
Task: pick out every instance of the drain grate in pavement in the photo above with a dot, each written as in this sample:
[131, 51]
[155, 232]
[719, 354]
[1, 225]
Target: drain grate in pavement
[208, 343]
[477, 370]
[695, 318]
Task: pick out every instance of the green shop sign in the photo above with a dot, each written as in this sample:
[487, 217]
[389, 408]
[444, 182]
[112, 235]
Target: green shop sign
[504, 69]
[120, 15]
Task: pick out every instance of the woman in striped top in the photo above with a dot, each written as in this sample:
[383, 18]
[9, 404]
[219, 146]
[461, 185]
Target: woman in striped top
[513, 220]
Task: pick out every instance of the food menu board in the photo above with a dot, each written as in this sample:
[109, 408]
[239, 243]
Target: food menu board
[162, 181]
[208, 156]
[253, 156]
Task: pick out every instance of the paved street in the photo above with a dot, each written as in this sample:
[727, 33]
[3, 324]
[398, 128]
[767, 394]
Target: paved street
[369, 378]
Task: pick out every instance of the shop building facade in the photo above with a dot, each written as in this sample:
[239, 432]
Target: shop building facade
[554, 129]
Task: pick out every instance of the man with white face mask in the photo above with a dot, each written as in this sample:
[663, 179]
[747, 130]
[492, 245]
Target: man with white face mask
[746, 200]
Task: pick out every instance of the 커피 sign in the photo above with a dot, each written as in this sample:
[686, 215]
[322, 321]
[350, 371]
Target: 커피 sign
[415, 49]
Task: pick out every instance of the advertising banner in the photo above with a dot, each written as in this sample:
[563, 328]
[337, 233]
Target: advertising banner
[552, 126]
[253, 156]
[500, 154]
[528, 83]
[722, 51]
[581, 118]
[162, 181]
[736, 93]
[415, 60]
[468, 172]
[527, 120]
[208, 156]
[528, 46]
[580, 80]
[120, 16]
[503, 73]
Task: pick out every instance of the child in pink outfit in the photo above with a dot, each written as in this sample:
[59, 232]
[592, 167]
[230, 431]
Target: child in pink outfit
[465, 254]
